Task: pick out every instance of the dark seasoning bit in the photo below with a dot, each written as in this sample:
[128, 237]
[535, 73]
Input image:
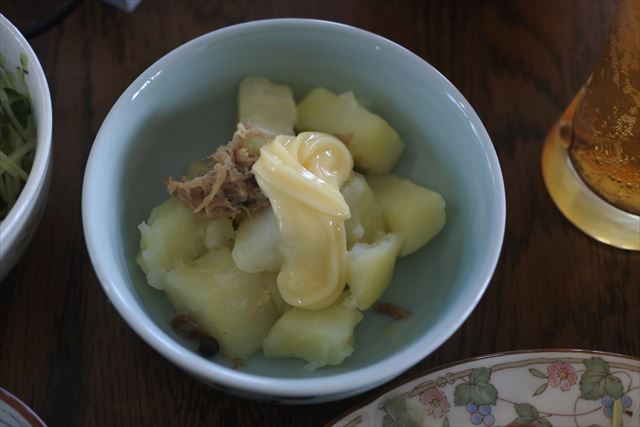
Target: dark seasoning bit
[186, 327]
[237, 363]
[208, 346]
[392, 310]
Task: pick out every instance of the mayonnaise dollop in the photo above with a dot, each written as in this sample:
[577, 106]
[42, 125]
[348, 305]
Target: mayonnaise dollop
[301, 175]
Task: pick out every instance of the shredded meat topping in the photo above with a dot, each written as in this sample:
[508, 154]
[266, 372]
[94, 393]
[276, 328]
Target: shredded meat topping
[227, 187]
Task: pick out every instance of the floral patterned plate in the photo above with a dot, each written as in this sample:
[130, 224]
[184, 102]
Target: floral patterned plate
[14, 413]
[558, 388]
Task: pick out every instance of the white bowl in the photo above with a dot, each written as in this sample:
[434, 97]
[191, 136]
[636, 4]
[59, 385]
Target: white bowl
[18, 227]
[183, 106]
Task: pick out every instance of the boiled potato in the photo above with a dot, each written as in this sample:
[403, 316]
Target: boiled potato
[254, 141]
[219, 232]
[375, 146]
[267, 105]
[321, 337]
[413, 212]
[366, 223]
[195, 168]
[257, 245]
[324, 111]
[231, 306]
[172, 235]
[270, 282]
[370, 269]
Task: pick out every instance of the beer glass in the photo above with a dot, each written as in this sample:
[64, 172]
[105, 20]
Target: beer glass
[591, 156]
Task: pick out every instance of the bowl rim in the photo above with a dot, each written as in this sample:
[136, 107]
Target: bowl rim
[354, 381]
[18, 215]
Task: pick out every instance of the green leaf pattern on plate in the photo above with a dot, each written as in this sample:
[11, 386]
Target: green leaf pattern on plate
[478, 390]
[528, 414]
[598, 382]
[537, 373]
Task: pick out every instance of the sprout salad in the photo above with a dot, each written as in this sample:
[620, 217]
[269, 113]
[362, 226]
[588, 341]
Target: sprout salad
[17, 133]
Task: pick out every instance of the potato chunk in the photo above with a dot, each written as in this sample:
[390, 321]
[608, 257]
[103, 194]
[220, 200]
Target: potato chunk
[257, 245]
[321, 337]
[413, 212]
[219, 232]
[375, 146]
[270, 282]
[366, 223]
[267, 105]
[195, 168]
[370, 269]
[172, 235]
[232, 306]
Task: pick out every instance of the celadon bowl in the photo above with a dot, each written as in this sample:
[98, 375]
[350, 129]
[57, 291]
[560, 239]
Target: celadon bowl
[184, 106]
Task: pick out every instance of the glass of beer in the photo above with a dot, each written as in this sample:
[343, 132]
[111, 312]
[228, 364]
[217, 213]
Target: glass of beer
[591, 157]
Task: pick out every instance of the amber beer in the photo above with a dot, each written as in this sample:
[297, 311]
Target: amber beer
[591, 156]
[605, 131]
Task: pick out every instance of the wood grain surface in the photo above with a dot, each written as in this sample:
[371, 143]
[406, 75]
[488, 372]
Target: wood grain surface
[66, 352]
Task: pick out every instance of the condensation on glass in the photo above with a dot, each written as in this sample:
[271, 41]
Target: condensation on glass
[605, 136]
[591, 156]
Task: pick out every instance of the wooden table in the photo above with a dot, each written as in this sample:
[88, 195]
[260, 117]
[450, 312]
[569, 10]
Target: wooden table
[66, 352]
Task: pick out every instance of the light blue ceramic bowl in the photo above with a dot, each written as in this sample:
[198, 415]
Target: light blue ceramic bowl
[183, 106]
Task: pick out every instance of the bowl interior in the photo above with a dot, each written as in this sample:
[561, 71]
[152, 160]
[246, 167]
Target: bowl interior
[184, 106]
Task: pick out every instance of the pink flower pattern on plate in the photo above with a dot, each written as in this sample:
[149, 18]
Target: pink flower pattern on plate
[435, 402]
[561, 374]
